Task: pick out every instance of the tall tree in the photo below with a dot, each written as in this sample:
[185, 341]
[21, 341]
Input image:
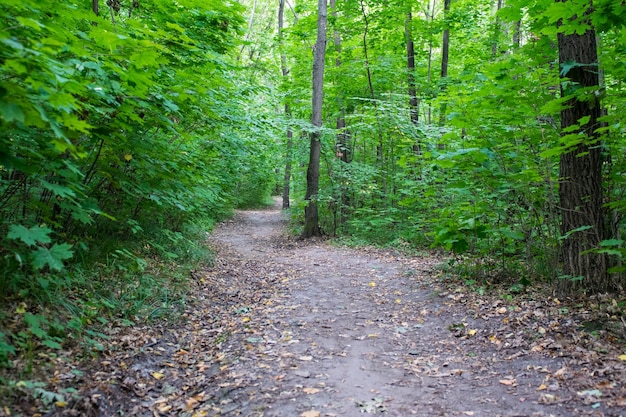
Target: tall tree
[250, 25]
[497, 27]
[285, 72]
[580, 188]
[410, 67]
[445, 48]
[342, 136]
[311, 217]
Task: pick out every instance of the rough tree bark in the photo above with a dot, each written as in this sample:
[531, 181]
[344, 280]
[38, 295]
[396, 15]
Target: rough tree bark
[580, 185]
[311, 217]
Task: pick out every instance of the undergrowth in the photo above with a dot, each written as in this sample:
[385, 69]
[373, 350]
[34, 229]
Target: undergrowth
[69, 313]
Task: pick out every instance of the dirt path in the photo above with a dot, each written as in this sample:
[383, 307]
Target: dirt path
[286, 328]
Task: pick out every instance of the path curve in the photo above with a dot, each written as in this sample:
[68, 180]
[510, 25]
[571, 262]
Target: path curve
[286, 328]
[352, 332]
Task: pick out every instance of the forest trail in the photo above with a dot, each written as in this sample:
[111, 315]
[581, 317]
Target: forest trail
[281, 327]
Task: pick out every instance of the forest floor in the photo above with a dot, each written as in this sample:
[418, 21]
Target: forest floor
[282, 327]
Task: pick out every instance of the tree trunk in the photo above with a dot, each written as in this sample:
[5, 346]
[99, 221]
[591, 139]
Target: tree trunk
[496, 30]
[343, 150]
[445, 47]
[517, 34]
[342, 146]
[410, 67]
[250, 25]
[288, 155]
[285, 72]
[311, 217]
[430, 16]
[580, 187]
[94, 7]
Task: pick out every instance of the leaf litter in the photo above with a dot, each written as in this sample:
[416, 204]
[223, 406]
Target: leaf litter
[281, 327]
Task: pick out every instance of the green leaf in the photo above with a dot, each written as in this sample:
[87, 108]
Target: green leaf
[58, 190]
[11, 112]
[571, 232]
[51, 343]
[34, 325]
[32, 236]
[612, 242]
[52, 257]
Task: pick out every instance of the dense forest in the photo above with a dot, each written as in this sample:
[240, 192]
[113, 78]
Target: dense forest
[493, 131]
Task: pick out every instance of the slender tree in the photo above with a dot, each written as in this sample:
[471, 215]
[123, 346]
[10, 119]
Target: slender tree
[580, 187]
[342, 136]
[445, 48]
[410, 67]
[285, 72]
[497, 27]
[311, 217]
[250, 25]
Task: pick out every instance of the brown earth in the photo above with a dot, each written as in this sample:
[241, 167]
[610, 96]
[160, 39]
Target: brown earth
[281, 327]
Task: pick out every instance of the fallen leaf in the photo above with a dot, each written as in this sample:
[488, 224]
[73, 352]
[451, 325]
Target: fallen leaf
[306, 358]
[310, 413]
[542, 387]
[547, 399]
[472, 332]
[508, 382]
[158, 375]
[590, 393]
[311, 390]
[622, 357]
[372, 284]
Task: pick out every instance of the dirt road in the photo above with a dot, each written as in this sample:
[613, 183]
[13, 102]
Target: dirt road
[289, 328]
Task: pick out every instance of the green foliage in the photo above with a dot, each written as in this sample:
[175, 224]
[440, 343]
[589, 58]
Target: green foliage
[481, 183]
[123, 138]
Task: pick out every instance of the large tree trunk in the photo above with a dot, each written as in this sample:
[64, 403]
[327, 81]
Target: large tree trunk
[285, 73]
[311, 218]
[580, 189]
